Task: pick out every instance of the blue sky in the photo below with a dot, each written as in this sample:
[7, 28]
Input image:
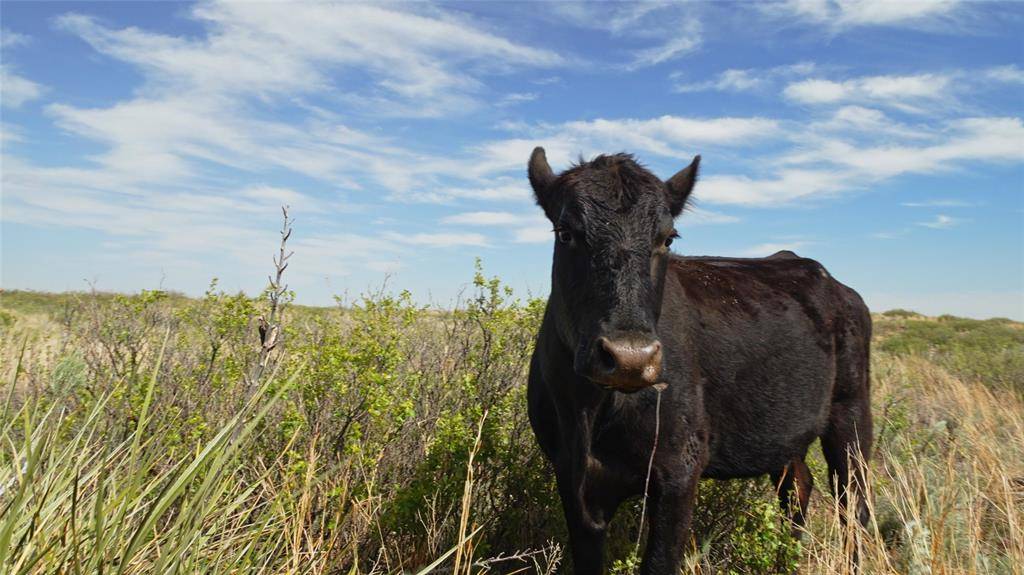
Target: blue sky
[150, 144]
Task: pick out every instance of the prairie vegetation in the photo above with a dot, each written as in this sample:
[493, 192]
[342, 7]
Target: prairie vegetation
[154, 433]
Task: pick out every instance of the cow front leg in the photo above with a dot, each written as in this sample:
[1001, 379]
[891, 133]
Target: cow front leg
[671, 506]
[587, 528]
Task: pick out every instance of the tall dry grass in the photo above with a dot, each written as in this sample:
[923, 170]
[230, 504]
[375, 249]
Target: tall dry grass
[946, 479]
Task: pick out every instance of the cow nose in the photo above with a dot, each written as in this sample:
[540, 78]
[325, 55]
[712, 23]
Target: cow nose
[631, 360]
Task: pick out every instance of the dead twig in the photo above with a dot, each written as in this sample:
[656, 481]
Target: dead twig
[270, 325]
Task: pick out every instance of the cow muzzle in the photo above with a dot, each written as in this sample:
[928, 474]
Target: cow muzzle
[627, 364]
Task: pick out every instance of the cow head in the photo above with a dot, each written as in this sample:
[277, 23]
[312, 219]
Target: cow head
[613, 224]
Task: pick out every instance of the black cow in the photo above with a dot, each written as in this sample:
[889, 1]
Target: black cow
[760, 357]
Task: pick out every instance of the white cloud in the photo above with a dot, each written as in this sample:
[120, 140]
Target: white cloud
[10, 39]
[980, 139]
[688, 41]
[517, 98]
[859, 120]
[817, 91]
[15, 90]
[274, 195]
[826, 164]
[483, 219]
[841, 15]
[668, 30]
[700, 216]
[906, 93]
[1010, 74]
[440, 240]
[941, 222]
[538, 234]
[731, 80]
[526, 228]
[207, 99]
[883, 12]
[670, 136]
[745, 80]
[784, 187]
[340, 254]
[667, 134]
[273, 49]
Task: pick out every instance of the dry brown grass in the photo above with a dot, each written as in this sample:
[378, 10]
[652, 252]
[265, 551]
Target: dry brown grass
[946, 479]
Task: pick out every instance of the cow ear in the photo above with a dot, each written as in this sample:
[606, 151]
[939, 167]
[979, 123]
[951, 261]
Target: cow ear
[541, 178]
[680, 185]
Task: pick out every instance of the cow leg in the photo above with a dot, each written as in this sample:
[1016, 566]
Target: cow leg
[587, 523]
[671, 509]
[794, 484]
[847, 446]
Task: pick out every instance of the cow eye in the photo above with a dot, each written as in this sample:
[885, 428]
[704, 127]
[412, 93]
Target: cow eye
[564, 235]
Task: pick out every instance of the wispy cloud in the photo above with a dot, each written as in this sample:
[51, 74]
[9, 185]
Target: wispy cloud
[667, 30]
[525, 228]
[231, 104]
[517, 98]
[687, 41]
[701, 216]
[10, 39]
[16, 90]
[906, 93]
[668, 136]
[933, 92]
[484, 219]
[942, 222]
[1010, 74]
[275, 49]
[842, 15]
[823, 164]
[744, 80]
[440, 240]
[216, 99]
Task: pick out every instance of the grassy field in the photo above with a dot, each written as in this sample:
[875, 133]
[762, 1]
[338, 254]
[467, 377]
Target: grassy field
[155, 433]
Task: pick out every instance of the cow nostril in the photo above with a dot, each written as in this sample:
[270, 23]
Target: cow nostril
[606, 355]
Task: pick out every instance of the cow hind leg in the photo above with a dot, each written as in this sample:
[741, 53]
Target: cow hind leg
[794, 484]
[847, 445]
[847, 440]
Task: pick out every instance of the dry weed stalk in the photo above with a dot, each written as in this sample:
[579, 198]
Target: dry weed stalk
[270, 325]
[465, 542]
